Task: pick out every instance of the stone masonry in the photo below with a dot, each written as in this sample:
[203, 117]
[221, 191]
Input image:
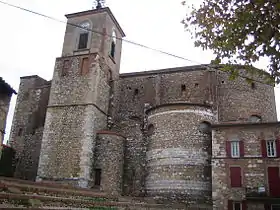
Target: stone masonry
[28, 124]
[159, 134]
[254, 166]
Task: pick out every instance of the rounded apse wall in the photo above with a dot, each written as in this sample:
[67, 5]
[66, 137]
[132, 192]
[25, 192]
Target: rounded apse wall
[178, 154]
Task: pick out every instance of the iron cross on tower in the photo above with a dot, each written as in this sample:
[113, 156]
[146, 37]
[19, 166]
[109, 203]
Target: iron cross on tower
[98, 4]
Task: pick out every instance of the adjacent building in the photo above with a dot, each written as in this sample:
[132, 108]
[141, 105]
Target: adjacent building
[186, 134]
[6, 92]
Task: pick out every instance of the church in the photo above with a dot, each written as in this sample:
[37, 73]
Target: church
[178, 135]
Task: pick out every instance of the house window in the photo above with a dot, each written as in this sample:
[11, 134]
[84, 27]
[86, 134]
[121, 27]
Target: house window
[65, 68]
[235, 177]
[235, 149]
[83, 40]
[271, 148]
[97, 180]
[236, 206]
[85, 66]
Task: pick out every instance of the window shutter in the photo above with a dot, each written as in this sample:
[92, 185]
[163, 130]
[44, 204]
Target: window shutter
[244, 205]
[263, 145]
[241, 147]
[230, 207]
[278, 147]
[235, 177]
[228, 149]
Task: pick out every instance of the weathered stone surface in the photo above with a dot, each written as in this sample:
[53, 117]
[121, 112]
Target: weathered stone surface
[238, 100]
[109, 157]
[27, 128]
[173, 140]
[163, 152]
[253, 165]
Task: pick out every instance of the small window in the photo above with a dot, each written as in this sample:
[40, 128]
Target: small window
[151, 129]
[255, 119]
[236, 206]
[65, 68]
[253, 85]
[136, 92]
[19, 132]
[85, 66]
[235, 149]
[83, 41]
[113, 46]
[271, 148]
[183, 88]
[196, 84]
[97, 180]
[205, 127]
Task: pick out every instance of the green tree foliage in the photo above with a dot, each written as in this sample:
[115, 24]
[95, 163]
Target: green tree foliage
[238, 31]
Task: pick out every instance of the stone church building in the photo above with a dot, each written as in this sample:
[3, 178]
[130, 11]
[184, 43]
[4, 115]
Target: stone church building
[186, 134]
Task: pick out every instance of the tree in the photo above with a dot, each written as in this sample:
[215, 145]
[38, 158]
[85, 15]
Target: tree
[238, 31]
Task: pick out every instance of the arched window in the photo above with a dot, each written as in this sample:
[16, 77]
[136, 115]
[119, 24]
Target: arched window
[84, 35]
[204, 127]
[113, 44]
[255, 119]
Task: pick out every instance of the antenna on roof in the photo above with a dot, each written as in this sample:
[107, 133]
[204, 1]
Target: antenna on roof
[98, 4]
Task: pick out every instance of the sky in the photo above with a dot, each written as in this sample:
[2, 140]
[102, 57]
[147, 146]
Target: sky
[30, 43]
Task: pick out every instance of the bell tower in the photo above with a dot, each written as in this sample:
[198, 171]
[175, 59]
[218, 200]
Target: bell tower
[80, 95]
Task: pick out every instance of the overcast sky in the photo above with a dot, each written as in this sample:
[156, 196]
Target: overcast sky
[30, 43]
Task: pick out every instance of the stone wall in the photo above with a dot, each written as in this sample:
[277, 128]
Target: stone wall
[178, 154]
[109, 157]
[80, 104]
[102, 22]
[238, 99]
[134, 90]
[68, 141]
[253, 165]
[28, 123]
[77, 109]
